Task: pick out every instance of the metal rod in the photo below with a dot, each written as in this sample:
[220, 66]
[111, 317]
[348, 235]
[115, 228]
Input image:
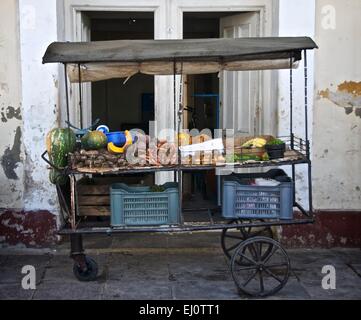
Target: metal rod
[66, 95]
[180, 173]
[184, 228]
[63, 204]
[310, 199]
[177, 172]
[306, 94]
[80, 98]
[291, 128]
[72, 201]
[303, 211]
[291, 101]
[174, 104]
[308, 155]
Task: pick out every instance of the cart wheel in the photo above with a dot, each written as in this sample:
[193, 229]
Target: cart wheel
[231, 240]
[87, 274]
[267, 269]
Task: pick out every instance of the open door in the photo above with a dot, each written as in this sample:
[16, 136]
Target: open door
[239, 89]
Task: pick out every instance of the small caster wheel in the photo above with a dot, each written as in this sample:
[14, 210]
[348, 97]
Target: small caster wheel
[231, 240]
[267, 268]
[89, 273]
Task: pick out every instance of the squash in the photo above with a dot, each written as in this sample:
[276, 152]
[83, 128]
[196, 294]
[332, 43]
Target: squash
[93, 140]
[59, 142]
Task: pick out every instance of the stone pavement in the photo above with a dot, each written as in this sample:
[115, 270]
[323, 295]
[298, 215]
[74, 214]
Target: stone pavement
[164, 266]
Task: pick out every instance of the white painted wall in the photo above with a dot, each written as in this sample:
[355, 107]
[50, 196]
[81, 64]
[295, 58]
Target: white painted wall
[40, 108]
[11, 151]
[337, 133]
[296, 18]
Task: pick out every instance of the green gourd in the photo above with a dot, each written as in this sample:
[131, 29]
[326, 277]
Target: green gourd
[93, 140]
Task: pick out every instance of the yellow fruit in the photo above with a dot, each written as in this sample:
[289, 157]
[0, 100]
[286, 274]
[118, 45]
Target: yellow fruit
[184, 139]
[255, 142]
[114, 149]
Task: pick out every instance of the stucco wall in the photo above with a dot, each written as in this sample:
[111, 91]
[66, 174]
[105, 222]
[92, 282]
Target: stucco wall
[296, 18]
[337, 112]
[11, 137]
[38, 28]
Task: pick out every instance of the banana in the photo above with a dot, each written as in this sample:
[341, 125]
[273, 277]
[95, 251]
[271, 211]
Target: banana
[255, 143]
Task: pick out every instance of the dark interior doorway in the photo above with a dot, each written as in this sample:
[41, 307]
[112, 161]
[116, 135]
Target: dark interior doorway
[119, 104]
[200, 189]
[123, 106]
[202, 100]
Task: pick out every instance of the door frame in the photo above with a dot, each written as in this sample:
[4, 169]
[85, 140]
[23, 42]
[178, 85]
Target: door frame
[268, 16]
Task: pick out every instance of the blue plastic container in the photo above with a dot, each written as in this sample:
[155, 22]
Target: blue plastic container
[138, 206]
[257, 202]
[117, 137]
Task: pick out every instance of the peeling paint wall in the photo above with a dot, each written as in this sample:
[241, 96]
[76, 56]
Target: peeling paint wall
[337, 113]
[38, 28]
[296, 18]
[11, 148]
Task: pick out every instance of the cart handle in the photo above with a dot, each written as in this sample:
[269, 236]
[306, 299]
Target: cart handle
[50, 163]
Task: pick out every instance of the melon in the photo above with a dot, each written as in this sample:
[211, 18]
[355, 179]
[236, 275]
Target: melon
[59, 142]
[93, 140]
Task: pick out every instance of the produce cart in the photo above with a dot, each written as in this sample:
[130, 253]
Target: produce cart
[258, 263]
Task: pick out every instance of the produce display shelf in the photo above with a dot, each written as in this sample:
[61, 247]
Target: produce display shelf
[291, 157]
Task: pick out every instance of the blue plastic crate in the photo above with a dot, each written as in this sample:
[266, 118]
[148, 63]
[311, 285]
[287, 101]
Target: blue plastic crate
[138, 206]
[257, 202]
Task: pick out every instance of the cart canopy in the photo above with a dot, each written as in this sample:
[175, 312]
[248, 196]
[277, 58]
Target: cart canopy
[100, 60]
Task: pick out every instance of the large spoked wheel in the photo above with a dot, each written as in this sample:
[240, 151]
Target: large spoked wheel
[87, 272]
[230, 239]
[260, 267]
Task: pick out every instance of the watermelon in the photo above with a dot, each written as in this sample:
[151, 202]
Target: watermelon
[94, 140]
[59, 142]
[56, 177]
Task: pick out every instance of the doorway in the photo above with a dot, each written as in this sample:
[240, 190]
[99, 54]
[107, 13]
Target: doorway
[123, 104]
[112, 100]
[227, 100]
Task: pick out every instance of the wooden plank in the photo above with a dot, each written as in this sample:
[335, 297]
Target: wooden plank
[94, 189]
[94, 211]
[94, 200]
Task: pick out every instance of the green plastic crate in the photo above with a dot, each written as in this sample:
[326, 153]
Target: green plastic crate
[138, 206]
